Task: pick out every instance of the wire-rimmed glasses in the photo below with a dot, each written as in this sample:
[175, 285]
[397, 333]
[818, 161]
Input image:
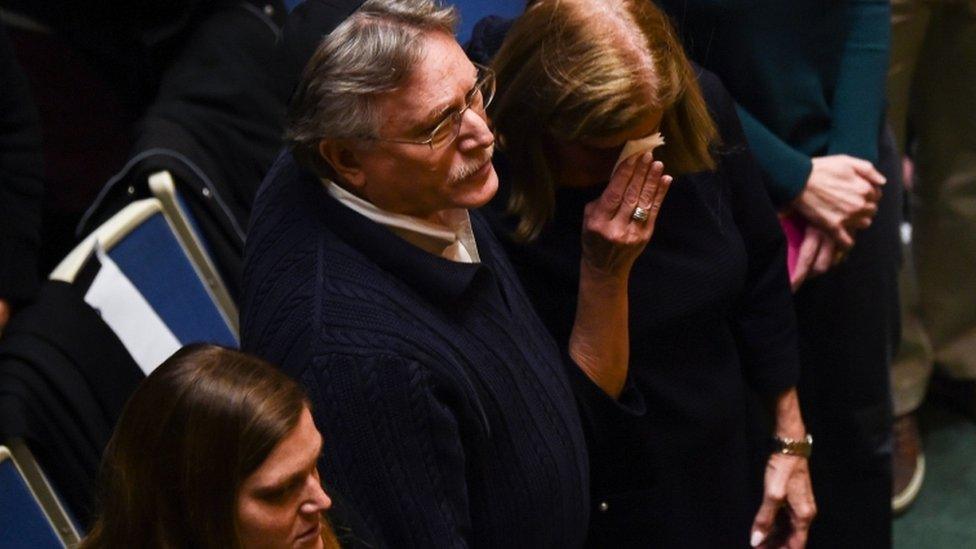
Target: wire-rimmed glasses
[447, 130]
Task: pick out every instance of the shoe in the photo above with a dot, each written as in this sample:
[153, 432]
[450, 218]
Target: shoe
[957, 394]
[907, 463]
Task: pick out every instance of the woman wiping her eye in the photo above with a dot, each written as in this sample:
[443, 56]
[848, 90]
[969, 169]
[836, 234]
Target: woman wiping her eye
[580, 85]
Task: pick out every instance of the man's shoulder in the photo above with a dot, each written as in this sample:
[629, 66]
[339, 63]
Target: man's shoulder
[291, 246]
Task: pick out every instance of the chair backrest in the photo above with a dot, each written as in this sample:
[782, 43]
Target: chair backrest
[473, 11]
[163, 187]
[142, 279]
[31, 515]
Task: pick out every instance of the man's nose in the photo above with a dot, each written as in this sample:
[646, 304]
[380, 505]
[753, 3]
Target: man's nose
[475, 131]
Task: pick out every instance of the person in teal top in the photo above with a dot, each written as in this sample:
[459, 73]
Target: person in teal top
[808, 79]
[808, 76]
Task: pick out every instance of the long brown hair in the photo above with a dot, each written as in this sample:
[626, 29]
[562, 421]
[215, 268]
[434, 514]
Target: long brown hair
[575, 69]
[190, 434]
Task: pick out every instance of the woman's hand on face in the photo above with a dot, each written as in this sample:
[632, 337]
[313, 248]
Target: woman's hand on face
[613, 236]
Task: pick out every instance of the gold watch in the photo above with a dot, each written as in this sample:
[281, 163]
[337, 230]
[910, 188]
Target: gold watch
[791, 447]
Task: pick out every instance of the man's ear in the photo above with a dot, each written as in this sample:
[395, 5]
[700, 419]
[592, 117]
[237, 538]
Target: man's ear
[344, 160]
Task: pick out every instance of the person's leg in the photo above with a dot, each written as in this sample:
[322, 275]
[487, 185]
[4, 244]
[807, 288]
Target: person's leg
[943, 103]
[912, 366]
[913, 363]
[909, 21]
[910, 373]
[848, 331]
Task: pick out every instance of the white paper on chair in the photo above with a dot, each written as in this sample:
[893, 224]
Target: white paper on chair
[638, 146]
[129, 315]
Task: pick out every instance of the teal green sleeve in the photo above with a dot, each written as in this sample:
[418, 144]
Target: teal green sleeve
[859, 95]
[786, 168]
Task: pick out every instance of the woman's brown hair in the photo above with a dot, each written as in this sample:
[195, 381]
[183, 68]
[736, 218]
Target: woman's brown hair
[578, 69]
[189, 436]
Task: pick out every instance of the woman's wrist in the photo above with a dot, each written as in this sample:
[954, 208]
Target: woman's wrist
[599, 341]
[789, 421]
[602, 283]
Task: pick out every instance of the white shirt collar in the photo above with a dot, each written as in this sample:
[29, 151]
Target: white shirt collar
[454, 240]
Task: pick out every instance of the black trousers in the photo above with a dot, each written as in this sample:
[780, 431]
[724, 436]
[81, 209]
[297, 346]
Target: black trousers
[849, 329]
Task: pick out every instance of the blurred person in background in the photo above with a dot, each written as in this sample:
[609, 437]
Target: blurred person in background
[931, 98]
[21, 186]
[95, 68]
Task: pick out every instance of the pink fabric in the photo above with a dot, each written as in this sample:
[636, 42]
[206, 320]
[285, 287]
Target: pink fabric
[793, 228]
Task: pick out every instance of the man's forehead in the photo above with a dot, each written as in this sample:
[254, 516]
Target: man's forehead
[441, 77]
[442, 61]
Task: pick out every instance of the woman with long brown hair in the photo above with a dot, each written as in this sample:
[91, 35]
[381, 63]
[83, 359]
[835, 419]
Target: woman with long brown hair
[581, 86]
[215, 449]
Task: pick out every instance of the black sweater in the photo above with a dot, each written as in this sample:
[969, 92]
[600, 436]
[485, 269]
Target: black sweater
[710, 316]
[447, 410]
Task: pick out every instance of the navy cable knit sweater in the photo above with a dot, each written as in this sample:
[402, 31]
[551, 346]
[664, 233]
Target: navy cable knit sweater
[447, 410]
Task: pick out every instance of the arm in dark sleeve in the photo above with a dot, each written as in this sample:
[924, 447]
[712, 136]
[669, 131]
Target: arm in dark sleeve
[787, 169]
[607, 422]
[858, 99]
[764, 320]
[21, 184]
[392, 448]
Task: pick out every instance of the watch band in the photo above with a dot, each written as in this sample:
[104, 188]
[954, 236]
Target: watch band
[791, 447]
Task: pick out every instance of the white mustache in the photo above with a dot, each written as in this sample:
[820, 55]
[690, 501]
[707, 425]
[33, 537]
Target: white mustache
[471, 167]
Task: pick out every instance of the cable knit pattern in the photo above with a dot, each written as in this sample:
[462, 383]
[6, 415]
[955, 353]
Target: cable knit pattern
[448, 416]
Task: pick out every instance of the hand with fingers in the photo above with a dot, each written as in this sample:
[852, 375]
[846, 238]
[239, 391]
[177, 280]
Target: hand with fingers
[841, 196]
[616, 228]
[788, 505]
[619, 224]
[818, 254]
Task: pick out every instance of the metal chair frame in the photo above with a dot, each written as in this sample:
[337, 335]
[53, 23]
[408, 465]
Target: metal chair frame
[163, 187]
[40, 488]
[123, 223]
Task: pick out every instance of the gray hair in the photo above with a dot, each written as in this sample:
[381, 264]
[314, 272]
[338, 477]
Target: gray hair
[371, 52]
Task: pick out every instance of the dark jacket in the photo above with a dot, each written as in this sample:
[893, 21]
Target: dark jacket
[215, 125]
[128, 43]
[64, 379]
[21, 183]
[447, 410]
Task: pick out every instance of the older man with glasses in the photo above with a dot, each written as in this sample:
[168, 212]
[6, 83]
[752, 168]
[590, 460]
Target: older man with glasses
[451, 417]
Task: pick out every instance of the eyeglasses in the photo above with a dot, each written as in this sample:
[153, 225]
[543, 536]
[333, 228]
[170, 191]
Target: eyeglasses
[446, 131]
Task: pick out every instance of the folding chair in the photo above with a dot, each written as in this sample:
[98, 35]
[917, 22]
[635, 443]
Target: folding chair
[163, 187]
[31, 515]
[141, 276]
